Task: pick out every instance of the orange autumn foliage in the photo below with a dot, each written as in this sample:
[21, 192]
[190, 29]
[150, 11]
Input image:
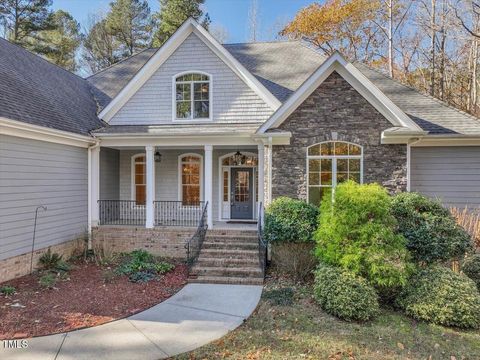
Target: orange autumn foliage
[336, 19]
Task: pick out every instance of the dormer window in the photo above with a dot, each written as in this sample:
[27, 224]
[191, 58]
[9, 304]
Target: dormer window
[192, 97]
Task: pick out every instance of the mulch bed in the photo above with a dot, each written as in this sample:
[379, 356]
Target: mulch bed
[81, 300]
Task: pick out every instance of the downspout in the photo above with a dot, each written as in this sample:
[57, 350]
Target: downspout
[409, 161]
[270, 165]
[89, 203]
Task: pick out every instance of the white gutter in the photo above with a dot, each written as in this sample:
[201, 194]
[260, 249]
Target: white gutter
[409, 161]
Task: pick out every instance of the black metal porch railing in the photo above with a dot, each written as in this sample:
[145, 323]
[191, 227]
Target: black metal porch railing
[176, 213]
[262, 244]
[121, 212]
[194, 244]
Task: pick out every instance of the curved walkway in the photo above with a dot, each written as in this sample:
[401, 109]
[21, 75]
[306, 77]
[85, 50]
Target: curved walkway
[195, 316]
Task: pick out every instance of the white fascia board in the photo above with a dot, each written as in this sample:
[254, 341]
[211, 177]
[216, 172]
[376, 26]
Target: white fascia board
[356, 79]
[448, 140]
[154, 63]
[237, 67]
[24, 130]
[177, 141]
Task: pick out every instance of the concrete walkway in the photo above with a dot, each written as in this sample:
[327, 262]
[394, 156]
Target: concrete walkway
[195, 316]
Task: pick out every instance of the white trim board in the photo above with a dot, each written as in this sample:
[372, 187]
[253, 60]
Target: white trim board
[162, 54]
[24, 130]
[357, 80]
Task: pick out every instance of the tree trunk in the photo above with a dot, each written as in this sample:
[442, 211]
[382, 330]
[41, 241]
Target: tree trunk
[390, 38]
[432, 50]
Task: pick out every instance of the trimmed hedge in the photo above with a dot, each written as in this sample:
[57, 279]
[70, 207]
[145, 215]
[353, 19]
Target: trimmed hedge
[290, 220]
[344, 295]
[357, 232]
[471, 268]
[438, 295]
[432, 234]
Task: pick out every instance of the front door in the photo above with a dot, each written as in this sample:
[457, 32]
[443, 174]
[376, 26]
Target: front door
[242, 193]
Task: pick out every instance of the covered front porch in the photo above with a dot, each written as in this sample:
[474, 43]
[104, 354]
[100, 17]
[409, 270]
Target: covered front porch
[165, 185]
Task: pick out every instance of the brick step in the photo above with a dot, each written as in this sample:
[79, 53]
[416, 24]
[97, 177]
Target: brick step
[229, 253]
[231, 232]
[231, 238]
[226, 280]
[245, 272]
[206, 261]
[230, 246]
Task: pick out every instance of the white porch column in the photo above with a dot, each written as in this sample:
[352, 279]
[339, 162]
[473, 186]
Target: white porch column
[95, 185]
[208, 181]
[261, 173]
[150, 182]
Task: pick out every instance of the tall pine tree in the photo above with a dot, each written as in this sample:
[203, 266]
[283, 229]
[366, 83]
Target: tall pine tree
[173, 13]
[60, 42]
[23, 19]
[130, 22]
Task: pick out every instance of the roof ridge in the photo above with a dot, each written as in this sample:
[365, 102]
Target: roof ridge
[261, 42]
[442, 102]
[42, 58]
[121, 60]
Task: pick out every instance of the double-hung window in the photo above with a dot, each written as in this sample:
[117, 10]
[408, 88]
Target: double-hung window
[331, 163]
[192, 97]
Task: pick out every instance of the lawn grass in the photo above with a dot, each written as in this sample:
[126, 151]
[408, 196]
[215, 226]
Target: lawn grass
[302, 330]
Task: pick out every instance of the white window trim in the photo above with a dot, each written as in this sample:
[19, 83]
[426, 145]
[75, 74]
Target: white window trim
[133, 183]
[179, 175]
[334, 163]
[174, 98]
[221, 168]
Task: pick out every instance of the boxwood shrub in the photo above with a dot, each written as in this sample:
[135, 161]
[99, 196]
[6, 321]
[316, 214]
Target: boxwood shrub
[471, 268]
[290, 220]
[432, 234]
[345, 295]
[357, 232]
[441, 296]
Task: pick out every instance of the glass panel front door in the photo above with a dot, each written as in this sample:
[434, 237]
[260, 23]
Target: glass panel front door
[241, 193]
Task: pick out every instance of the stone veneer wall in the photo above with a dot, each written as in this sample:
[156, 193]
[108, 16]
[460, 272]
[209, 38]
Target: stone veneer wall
[162, 241]
[17, 266]
[336, 111]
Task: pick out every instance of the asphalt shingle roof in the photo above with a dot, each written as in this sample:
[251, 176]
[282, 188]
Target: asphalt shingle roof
[283, 66]
[37, 92]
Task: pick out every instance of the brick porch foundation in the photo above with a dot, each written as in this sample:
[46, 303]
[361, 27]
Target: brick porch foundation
[162, 241]
[17, 266]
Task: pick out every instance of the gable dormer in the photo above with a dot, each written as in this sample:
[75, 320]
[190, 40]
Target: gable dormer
[164, 90]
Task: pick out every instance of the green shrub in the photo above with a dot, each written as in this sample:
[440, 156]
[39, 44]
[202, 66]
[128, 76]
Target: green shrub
[294, 260]
[49, 260]
[356, 232]
[7, 290]
[137, 264]
[290, 220]
[48, 280]
[345, 295]
[431, 232]
[441, 296]
[141, 276]
[471, 268]
[163, 267]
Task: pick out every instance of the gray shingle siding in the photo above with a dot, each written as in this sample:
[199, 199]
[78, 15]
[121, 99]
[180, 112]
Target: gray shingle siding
[451, 174]
[36, 173]
[109, 174]
[232, 99]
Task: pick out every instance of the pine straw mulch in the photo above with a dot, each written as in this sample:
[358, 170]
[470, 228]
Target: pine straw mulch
[82, 299]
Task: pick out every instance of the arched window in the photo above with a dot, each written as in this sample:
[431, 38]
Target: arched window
[192, 97]
[139, 192]
[190, 176]
[330, 163]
